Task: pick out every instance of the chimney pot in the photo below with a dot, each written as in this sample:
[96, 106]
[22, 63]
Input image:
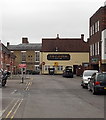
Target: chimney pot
[82, 36]
[8, 44]
[57, 35]
[25, 40]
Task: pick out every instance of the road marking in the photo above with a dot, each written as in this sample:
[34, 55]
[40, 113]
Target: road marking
[12, 109]
[8, 106]
[16, 109]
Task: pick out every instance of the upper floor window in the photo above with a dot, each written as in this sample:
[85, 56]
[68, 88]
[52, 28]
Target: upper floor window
[98, 48]
[98, 25]
[37, 56]
[90, 50]
[23, 56]
[105, 45]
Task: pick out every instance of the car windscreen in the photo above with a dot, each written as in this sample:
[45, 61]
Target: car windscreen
[89, 73]
[101, 77]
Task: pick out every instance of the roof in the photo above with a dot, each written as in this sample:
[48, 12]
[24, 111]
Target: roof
[25, 46]
[64, 45]
[7, 51]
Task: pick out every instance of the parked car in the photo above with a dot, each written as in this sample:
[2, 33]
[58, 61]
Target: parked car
[97, 83]
[87, 74]
[68, 72]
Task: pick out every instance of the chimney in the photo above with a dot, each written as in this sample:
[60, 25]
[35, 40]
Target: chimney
[57, 35]
[25, 40]
[82, 36]
[8, 44]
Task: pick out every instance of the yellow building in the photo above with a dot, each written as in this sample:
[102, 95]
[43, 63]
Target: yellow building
[27, 53]
[58, 53]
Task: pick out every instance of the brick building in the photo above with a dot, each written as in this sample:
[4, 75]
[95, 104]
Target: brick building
[97, 39]
[26, 53]
[58, 53]
[7, 59]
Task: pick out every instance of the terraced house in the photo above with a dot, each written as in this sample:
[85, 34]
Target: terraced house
[26, 53]
[58, 53]
[7, 59]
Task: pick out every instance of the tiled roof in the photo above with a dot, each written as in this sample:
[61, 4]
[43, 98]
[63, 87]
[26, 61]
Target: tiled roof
[64, 45]
[23, 47]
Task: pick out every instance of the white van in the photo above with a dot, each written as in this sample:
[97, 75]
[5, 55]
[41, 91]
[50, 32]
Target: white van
[87, 74]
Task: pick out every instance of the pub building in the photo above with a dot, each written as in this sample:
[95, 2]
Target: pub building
[58, 53]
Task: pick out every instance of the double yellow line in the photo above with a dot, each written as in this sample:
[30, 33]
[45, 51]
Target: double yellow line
[27, 86]
[14, 109]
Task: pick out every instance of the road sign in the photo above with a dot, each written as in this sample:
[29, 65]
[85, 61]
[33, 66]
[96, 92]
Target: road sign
[43, 63]
[56, 64]
[22, 65]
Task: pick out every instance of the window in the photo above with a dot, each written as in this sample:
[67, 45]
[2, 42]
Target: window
[93, 50]
[93, 29]
[37, 56]
[23, 56]
[98, 25]
[96, 49]
[36, 67]
[105, 46]
[47, 67]
[60, 68]
[90, 50]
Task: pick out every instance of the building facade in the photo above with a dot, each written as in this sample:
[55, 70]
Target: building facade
[7, 59]
[58, 53]
[97, 37]
[26, 53]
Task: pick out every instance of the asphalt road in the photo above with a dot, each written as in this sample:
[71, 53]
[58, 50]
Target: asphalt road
[50, 96]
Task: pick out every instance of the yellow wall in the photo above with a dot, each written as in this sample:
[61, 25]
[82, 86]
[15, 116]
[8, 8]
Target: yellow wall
[30, 61]
[76, 59]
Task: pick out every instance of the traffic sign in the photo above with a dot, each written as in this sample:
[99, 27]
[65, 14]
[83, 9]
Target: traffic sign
[56, 64]
[43, 63]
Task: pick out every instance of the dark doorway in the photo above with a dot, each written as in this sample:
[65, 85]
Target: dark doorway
[74, 68]
[95, 67]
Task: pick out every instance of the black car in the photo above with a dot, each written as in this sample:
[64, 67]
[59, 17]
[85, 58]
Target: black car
[67, 72]
[97, 83]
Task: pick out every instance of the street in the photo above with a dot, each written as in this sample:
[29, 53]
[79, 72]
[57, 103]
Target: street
[50, 96]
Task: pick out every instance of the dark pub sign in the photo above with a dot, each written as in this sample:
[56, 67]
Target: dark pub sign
[58, 57]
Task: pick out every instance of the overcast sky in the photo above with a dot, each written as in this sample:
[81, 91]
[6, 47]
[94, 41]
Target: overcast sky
[37, 19]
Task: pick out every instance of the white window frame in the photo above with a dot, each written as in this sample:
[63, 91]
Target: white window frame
[37, 56]
[98, 24]
[96, 27]
[90, 50]
[60, 68]
[46, 67]
[98, 48]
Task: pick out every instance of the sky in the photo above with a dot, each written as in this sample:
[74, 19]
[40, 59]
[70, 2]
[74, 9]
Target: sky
[37, 19]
